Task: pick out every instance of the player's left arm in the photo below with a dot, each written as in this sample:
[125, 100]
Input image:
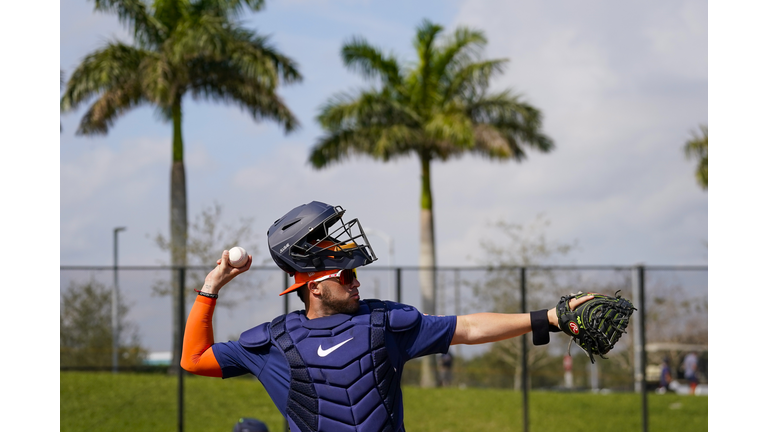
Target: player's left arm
[487, 327]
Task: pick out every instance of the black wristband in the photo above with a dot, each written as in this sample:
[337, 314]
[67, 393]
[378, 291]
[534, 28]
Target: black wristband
[209, 295]
[541, 327]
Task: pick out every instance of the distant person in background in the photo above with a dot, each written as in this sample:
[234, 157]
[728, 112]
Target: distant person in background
[666, 376]
[691, 368]
[446, 363]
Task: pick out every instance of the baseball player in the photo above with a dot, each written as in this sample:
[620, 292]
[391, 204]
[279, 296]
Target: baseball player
[337, 364]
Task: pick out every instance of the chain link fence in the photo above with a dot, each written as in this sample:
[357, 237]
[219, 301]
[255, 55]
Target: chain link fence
[675, 320]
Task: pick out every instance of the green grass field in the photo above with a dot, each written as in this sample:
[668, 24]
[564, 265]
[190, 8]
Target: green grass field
[147, 402]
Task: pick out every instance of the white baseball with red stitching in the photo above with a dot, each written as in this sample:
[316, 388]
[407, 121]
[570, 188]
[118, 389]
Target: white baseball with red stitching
[237, 256]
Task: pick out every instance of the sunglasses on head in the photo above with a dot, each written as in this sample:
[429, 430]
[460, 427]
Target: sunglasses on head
[346, 276]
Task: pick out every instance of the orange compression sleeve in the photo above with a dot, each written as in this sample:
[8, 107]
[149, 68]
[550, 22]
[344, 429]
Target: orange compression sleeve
[196, 354]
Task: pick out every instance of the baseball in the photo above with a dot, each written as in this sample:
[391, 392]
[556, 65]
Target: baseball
[237, 256]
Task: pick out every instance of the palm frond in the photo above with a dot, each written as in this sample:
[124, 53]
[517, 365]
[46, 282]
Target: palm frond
[199, 35]
[115, 65]
[471, 80]
[462, 47]
[423, 80]
[226, 8]
[697, 148]
[396, 141]
[256, 53]
[358, 55]
[505, 117]
[225, 82]
[491, 143]
[170, 12]
[161, 82]
[426, 34]
[164, 114]
[146, 29]
[367, 109]
[451, 132]
[212, 39]
[380, 143]
[337, 146]
[105, 110]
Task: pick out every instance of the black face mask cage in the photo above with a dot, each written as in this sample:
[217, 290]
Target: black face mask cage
[340, 239]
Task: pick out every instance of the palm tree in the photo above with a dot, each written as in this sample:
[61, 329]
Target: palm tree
[697, 148]
[180, 47]
[437, 108]
[61, 85]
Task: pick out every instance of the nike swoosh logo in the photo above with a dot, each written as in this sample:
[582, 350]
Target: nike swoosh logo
[322, 352]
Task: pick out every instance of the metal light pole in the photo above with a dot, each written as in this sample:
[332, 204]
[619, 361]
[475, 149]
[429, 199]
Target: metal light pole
[391, 247]
[115, 327]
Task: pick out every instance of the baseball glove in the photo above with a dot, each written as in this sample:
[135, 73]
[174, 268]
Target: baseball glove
[595, 325]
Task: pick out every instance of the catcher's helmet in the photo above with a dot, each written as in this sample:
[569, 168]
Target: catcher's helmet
[304, 240]
[247, 424]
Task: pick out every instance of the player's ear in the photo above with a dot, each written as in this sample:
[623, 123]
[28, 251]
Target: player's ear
[313, 287]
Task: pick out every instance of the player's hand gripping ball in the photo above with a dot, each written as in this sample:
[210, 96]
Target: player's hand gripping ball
[237, 256]
[595, 325]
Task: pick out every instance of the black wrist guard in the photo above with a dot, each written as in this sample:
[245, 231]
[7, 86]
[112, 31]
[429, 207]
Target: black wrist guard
[541, 327]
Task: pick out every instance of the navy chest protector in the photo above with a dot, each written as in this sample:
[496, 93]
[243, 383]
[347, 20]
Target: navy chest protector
[341, 375]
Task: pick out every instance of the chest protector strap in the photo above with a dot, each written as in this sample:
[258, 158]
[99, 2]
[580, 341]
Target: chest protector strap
[384, 373]
[302, 397]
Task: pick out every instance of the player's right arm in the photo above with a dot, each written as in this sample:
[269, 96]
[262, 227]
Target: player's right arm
[197, 355]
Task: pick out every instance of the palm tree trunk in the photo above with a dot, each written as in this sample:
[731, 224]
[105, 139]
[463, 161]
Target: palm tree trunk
[178, 229]
[427, 264]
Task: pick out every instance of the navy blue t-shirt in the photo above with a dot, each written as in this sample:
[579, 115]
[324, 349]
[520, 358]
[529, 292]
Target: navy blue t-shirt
[430, 335]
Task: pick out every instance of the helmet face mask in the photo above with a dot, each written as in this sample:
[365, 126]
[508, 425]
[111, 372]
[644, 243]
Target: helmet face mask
[315, 237]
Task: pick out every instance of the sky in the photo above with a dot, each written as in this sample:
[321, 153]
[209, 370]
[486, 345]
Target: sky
[621, 87]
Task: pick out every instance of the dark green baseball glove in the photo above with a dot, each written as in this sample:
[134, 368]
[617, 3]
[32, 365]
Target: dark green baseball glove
[595, 325]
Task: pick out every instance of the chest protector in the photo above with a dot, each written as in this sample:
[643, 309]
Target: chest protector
[342, 378]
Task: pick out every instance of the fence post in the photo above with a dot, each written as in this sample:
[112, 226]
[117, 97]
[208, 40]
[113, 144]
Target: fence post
[399, 285]
[638, 295]
[643, 357]
[180, 371]
[115, 313]
[636, 330]
[524, 360]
